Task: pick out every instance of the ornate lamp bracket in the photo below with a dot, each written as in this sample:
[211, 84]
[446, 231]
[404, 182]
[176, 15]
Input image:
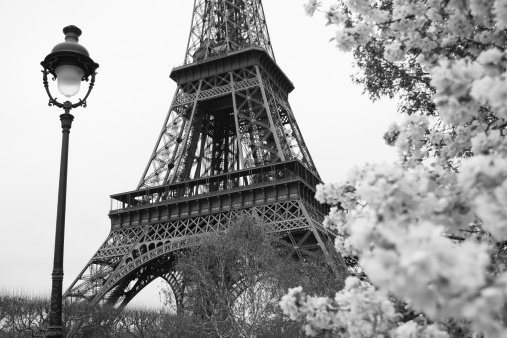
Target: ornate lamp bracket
[50, 63]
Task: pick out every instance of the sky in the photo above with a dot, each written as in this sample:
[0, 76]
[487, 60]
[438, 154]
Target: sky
[111, 140]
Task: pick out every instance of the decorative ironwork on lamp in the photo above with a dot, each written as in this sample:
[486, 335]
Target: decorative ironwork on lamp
[70, 64]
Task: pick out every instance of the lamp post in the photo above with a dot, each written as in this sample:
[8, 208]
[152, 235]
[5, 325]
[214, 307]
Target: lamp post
[69, 63]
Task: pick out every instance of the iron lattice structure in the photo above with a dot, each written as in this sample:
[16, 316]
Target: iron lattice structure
[230, 146]
[223, 26]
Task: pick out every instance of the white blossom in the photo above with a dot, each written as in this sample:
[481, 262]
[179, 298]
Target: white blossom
[411, 329]
[311, 6]
[360, 312]
[349, 38]
[481, 9]
[421, 265]
[489, 142]
[500, 11]
[290, 303]
[490, 56]
[394, 52]
[492, 91]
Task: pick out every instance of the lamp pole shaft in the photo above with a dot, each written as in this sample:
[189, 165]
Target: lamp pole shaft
[55, 328]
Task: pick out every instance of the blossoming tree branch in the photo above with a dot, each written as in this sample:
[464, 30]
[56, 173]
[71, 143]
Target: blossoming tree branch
[430, 232]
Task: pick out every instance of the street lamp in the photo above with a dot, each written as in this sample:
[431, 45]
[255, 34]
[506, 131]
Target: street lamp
[69, 63]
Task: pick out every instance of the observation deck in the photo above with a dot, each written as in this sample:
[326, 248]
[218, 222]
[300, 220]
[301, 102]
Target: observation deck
[242, 189]
[228, 61]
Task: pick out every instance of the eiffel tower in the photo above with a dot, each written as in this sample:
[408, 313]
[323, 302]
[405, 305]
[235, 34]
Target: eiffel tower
[230, 146]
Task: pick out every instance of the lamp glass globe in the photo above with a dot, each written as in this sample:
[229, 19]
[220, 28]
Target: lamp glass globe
[69, 79]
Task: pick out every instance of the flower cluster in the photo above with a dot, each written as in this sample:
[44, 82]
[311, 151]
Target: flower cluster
[463, 86]
[485, 181]
[311, 7]
[411, 329]
[355, 312]
[419, 265]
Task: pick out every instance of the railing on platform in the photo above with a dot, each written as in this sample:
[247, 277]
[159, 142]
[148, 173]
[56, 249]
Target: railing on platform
[214, 185]
[216, 52]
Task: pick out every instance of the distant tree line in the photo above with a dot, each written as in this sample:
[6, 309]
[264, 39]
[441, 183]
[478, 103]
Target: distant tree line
[22, 315]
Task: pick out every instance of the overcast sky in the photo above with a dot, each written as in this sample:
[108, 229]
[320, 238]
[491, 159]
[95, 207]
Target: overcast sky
[111, 140]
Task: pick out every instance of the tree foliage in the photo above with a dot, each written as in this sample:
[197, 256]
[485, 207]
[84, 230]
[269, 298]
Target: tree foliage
[430, 231]
[234, 280]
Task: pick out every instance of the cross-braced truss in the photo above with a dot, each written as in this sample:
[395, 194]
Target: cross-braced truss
[131, 258]
[226, 122]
